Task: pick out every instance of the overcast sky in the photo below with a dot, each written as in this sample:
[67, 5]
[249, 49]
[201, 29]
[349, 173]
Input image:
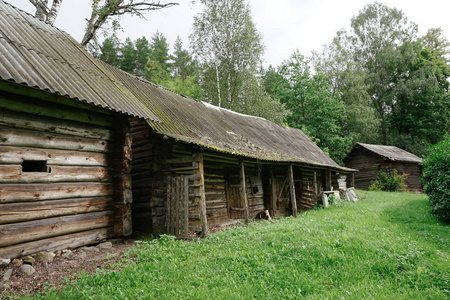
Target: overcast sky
[285, 25]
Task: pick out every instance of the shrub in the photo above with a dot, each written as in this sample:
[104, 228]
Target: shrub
[389, 183]
[436, 178]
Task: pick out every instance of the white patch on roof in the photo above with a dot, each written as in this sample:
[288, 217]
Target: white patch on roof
[228, 110]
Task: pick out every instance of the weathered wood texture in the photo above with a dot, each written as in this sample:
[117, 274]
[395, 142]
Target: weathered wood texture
[307, 187]
[144, 206]
[370, 164]
[123, 196]
[413, 172]
[69, 201]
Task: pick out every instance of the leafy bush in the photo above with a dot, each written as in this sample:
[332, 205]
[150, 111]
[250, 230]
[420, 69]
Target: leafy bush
[389, 183]
[436, 178]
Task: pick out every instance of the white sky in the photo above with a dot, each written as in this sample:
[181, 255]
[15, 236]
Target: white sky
[286, 25]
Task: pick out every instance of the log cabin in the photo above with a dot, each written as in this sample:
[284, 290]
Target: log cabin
[89, 152]
[371, 159]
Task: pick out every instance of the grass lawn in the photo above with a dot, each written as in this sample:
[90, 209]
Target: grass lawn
[388, 246]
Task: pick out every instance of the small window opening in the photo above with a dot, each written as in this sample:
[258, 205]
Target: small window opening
[256, 185]
[35, 166]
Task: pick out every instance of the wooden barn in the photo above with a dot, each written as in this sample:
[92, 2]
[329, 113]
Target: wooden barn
[371, 159]
[89, 152]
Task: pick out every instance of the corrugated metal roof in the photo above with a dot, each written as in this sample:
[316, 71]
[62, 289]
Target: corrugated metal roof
[220, 129]
[392, 153]
[39, 55]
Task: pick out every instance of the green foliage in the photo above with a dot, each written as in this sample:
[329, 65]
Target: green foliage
[187, 86]
[389, 183]
[229, 48]
[128, 58]
[159, 51]
[312, 105]
[259, 103]
[393, 83]
[436, 178]
[110, 51]
[388, 246]
[348, 80]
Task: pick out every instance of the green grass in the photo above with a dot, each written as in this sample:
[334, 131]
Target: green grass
[388, 246]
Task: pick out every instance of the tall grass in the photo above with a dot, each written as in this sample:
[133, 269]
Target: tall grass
[388, 246]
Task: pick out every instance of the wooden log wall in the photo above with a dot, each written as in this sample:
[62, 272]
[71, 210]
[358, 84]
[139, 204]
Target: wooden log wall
[142, 176]
[368, 164]
[123, 196]
[56, 176]
[414, 172]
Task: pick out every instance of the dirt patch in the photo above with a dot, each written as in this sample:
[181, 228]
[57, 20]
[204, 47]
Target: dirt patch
[65, 264]
[68, 264]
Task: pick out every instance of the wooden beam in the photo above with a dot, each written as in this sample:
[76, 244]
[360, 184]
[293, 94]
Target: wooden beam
[315, 185]
[273, 197]
[292, 191]
[38, 139]
[328, 179]
[123, 197]
[69, 241]
[244, 191]
[352, 180]
[16, 233]
[200, 189]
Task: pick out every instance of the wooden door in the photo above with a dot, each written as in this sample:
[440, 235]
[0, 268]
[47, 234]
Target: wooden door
[234, 198]
[281, 189]
[178, 206]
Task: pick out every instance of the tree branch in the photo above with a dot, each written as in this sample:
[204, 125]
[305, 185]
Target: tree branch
[113, 8]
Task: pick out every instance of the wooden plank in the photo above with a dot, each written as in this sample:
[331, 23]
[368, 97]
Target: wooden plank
[186, 205]
[40, 191]
[38, 139]
[315, 189]
[69, 241]
[292, 191]
[273, 193]
[14, 174]
[243, 190]
[26, 121]
[198, 157]
[16, 233]
[16, 155]
[27, 211]
[179, 160]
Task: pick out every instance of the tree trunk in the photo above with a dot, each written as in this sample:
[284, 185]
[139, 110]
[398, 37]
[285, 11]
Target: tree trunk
[218, 86]
[51, 16]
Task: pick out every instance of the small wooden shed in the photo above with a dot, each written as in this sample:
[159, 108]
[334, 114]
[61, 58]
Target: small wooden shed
[88, 151]
[371, 159]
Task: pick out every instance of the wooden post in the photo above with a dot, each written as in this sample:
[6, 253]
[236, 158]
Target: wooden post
[292, 190]
[328, 179]
[273, 196]
[315, 185]
[352, 180]
[186, 206]
[244, 191]
[122, 179]
[200, 190]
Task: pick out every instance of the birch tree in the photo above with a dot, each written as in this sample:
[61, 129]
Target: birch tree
[225, 40]
[46, 11]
